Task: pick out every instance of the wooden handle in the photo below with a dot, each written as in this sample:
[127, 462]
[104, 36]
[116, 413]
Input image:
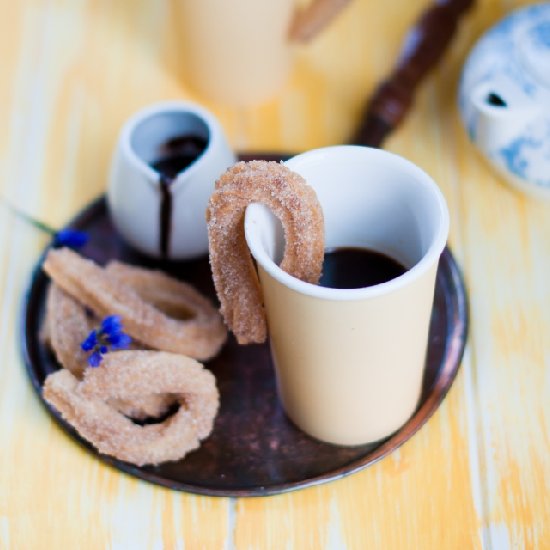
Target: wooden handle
[310, 21]
[424, 46]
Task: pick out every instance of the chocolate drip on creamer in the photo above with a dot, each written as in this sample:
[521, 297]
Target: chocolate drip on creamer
[175, 156]
[165, 214]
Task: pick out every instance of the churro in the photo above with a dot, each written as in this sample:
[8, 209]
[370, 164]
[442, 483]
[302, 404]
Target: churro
[106, 293]
[68, 323]
[295, 204]
[122, 376]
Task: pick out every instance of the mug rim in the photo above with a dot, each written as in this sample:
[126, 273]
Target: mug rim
[163, 107]
[431, 256]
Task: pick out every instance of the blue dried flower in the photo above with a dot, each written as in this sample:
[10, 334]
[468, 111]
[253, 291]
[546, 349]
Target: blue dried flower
[108, 337]
[111, 324]
[90, 343]
[95, 359]
[119, 341]
[72, 238]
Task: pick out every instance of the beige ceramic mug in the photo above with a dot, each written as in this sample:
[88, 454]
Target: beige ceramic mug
[350, 362]
[239, 51]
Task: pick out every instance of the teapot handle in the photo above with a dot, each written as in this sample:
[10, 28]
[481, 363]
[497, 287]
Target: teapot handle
[310, 21]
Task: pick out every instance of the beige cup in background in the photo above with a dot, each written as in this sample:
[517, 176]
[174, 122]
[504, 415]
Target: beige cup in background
[239, 51]
[236, 51]
[349, 363]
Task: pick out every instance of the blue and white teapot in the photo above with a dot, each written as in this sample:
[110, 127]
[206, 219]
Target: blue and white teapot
[504, 98]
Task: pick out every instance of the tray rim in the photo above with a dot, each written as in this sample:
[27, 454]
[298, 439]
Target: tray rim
[457, 334]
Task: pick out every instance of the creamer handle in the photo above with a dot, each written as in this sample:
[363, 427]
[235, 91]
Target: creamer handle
[424, 46]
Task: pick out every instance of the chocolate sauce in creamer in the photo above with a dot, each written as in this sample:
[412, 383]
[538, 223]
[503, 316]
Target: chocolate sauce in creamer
[174, 156]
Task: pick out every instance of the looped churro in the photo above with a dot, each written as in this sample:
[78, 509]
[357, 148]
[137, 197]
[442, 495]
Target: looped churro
[122, 376]
[106, 293]
[68, 324]
[295, 204]
[177, 299]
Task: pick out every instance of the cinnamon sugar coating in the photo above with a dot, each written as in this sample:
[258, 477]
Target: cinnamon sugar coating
[295, 204]
[123, 375]
[108, 292]
[68, 324]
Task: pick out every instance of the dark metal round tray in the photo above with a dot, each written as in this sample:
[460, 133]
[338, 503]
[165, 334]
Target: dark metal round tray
[254, 449]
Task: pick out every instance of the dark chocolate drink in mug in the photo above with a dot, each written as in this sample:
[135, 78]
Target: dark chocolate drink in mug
[354, 267]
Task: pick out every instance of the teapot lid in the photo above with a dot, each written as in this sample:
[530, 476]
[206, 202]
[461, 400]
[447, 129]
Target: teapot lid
[534, 49]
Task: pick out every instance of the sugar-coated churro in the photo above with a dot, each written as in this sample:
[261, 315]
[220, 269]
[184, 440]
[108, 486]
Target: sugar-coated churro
[295, 204]
[122, 376]
[106, 292]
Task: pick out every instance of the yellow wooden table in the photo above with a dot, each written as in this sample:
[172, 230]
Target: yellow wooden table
[477, 475]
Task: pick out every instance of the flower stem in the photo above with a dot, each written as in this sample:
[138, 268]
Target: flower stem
[27, 217]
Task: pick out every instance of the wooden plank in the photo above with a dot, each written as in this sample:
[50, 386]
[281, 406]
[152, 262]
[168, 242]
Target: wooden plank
[477, 474]
[52, 492]
[506, 257]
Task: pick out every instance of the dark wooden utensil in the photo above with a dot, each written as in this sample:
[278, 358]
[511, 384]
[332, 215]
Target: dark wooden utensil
[423, 47]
